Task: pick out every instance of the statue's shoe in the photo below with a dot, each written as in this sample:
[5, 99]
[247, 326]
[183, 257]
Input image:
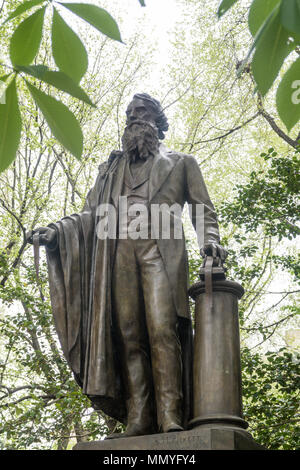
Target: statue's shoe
[171, 427]
[132, 430]
[170, 423]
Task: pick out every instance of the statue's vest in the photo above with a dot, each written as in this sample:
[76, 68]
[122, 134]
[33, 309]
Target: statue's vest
[136, 191]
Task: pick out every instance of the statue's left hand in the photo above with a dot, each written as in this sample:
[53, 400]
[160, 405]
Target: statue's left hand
[215, 250]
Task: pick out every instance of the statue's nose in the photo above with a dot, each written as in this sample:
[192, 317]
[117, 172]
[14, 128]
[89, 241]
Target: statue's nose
[132, 116]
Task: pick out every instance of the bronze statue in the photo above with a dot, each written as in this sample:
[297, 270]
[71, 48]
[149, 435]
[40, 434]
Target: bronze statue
[120, 301]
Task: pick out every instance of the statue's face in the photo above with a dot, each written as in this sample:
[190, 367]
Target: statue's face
[140, 109]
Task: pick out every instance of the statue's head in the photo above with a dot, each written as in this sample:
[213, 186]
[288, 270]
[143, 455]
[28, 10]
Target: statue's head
[145, 108]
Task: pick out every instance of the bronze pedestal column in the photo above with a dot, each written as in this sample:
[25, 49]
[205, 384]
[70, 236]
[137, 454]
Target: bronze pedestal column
[217, 369]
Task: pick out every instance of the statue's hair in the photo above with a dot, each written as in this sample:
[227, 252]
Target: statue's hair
[161, 120]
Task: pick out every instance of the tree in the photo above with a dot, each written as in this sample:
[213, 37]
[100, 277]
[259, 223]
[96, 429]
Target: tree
[275, 27]
[271, 397]
[268, 204]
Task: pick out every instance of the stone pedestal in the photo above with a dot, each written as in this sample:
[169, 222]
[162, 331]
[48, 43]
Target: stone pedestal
[204, 438]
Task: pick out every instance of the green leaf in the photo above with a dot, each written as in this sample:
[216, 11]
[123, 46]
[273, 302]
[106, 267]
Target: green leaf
[257, 38]
[259, 12]
[10, 126]
[143, 4]
[58, 79]
[25, 41]
[224, 6]
[22, 8]
[97, 17]
[288, 96]
[290, 15]
[61, 121]
[66, 46]
[271, 50]
[3, 78]
[18, 411]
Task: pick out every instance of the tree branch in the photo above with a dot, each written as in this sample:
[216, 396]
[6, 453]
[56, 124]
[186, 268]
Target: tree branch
[269, 326]
[275, 127]
[231, 131]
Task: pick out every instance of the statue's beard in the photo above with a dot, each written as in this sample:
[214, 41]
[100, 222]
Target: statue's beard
[140, 140]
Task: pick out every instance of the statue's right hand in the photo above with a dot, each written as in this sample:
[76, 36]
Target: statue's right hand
[47, 235]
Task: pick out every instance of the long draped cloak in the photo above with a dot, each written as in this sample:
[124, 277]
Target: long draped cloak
[79, 270]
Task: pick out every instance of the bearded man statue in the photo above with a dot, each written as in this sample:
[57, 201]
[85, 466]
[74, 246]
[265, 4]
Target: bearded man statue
[120, 301]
